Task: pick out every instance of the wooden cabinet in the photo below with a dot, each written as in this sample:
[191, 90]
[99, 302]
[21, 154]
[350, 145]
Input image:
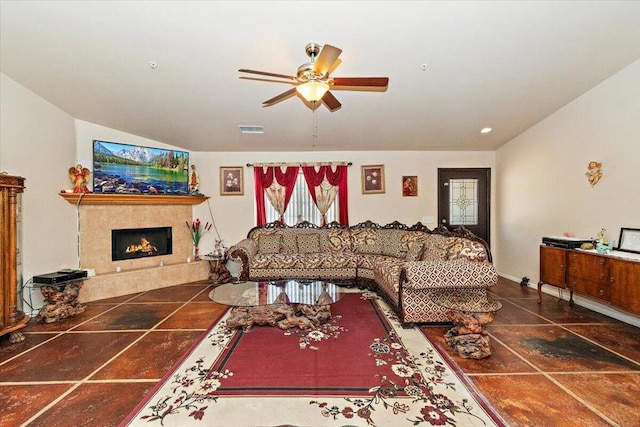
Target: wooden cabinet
[603, 277]
[553, 262]
[12, 319]
[624, 277]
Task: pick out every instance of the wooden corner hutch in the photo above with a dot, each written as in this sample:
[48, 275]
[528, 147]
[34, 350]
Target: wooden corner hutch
[12, 319]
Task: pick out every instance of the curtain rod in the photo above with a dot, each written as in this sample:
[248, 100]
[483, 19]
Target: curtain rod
[250, 165]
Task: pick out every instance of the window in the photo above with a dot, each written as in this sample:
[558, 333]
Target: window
[301, 207]
[463, 196]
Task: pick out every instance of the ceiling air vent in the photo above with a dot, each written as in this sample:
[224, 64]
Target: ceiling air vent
[251, 129]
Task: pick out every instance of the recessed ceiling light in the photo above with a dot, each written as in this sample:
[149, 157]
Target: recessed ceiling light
[485, 130]
[255, 129]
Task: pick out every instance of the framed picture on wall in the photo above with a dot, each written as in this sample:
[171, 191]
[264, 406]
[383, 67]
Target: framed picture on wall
[372, 179]
[410, 186]
[231, 181]
[629, 240]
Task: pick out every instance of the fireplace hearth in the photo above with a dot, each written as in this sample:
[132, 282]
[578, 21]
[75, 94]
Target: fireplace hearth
[132, 243]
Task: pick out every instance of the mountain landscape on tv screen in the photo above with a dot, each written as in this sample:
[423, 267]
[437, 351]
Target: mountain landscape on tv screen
[131, 169]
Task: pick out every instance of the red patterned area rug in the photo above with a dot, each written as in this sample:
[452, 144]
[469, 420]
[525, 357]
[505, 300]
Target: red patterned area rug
[360, 369]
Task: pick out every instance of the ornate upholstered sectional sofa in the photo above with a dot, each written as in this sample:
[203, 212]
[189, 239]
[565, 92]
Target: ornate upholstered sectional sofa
[408, 266]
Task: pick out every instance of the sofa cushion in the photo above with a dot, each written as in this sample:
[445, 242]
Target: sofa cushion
[391, 242]
[368, 261]
[435, 248]
[465, 249]
[308, 243]
[365, 241]
[450, 274]
[387, 276]
[269, 243]
[304, 261]
[415, 251]
[289, 244]
[338, 240]
[261, 261]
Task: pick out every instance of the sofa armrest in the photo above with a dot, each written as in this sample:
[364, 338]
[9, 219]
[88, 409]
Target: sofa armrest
[448, 274]
[244, 251]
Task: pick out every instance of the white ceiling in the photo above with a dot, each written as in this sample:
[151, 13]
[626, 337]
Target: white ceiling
[501, 64]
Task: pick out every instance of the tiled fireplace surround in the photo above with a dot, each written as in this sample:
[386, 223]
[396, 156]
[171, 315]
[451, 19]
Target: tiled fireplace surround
[140, 274]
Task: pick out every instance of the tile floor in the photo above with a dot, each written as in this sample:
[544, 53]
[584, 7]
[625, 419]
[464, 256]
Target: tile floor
[552, 365]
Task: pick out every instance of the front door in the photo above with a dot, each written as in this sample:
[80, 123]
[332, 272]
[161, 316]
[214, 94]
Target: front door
[464, 199]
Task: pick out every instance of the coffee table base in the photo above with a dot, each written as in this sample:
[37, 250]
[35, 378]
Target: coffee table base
[284, 316]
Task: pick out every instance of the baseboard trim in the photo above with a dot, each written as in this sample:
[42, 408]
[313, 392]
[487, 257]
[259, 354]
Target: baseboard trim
[585, 302]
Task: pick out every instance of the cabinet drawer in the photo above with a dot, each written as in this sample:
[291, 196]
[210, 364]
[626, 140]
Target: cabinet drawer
[594, 288]
[588, 266]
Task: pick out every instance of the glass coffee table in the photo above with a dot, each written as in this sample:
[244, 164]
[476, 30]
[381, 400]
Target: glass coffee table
[286, 304]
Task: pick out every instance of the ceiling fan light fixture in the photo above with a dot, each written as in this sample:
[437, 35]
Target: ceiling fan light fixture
[313, 90]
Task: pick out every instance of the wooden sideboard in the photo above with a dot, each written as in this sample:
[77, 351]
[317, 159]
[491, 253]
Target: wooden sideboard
[606, 278]
[12, 319]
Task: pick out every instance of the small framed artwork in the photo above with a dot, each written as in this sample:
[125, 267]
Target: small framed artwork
[372, 179]
[231, 181]
[410, 186]
[629, 240]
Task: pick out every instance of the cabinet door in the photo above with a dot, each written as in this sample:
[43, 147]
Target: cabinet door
[625, 284]
[552, 265]
[588, 274]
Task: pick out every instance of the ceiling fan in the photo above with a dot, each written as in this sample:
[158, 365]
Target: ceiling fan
[313, 82]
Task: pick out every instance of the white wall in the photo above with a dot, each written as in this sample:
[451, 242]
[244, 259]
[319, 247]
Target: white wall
[541, 184]
[235, 215]
[37, 141]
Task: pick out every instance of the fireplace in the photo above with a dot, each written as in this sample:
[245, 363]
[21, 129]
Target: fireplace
[131, 243]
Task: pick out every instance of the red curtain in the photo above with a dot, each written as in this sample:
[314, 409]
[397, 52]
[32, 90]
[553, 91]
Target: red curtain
[336, 178]
[264, 179]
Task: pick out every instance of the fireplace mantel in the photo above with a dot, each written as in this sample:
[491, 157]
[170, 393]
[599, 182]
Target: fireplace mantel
[131, 199]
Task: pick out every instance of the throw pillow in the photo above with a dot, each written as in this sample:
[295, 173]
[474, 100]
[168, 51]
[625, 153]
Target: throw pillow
[415, 252]
[339, 240]
[308, 243]
[289, 245]
[365, 241]
[269, 243]
[468, 250]
[435, 248]
[392, 243]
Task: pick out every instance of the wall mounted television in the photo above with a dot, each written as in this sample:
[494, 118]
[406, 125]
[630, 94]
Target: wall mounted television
[132, 169]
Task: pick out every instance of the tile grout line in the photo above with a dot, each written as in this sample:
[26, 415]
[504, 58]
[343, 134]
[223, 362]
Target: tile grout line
[85, 379]
[598, 344]
[562, 326]
[558, 384]
[57, 334]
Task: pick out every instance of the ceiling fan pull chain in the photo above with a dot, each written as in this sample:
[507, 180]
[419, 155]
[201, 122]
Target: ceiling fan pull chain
[315, 124]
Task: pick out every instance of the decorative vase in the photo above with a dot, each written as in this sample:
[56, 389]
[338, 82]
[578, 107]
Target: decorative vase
[196, 253]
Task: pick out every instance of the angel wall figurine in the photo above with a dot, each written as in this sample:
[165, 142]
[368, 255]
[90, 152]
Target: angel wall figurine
[79, 177]
[594, 172]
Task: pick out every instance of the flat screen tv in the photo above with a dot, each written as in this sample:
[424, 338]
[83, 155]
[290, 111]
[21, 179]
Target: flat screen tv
[132, 169]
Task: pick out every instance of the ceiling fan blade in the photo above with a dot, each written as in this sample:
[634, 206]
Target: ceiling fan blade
[361, 81]
[264, 73]
[331, 102]
[258, 79]
[279, 98]
[328, 55]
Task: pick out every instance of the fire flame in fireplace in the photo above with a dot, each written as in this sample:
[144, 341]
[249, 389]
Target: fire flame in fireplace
[145, 246]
